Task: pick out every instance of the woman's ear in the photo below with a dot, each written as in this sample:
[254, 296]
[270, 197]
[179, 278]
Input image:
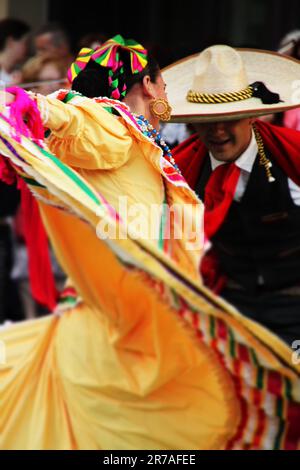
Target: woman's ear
[148, 87]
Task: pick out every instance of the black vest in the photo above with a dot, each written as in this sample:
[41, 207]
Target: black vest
[259, 240]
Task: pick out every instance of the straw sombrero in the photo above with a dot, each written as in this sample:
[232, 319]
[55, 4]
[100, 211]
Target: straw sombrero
[216, 84]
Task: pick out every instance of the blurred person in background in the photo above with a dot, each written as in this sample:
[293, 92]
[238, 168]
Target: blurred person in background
[45, 73]
[52, 40]
[290, 46]
[92, 40]
[13, 49]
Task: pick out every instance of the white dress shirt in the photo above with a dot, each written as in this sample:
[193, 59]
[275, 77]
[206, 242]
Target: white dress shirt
[245, 162]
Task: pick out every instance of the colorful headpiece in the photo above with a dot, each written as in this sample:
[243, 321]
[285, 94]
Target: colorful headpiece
[108, 55]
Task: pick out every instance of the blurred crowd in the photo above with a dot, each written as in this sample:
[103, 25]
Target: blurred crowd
[38, 61]
[35, 60]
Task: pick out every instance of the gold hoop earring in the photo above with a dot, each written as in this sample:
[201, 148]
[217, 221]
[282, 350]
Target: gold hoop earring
[161, 109]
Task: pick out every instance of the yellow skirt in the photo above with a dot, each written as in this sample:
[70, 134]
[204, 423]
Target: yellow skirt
[69, 383]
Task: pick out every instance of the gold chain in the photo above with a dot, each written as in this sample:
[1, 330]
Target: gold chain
[263, 160]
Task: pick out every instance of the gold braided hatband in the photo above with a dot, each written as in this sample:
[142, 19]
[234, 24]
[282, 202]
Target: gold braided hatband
[215, 98]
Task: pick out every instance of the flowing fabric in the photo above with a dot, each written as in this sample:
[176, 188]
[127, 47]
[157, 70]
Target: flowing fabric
[41, 277]
[147, 358]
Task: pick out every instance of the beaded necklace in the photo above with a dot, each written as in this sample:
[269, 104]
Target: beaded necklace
[149, 131]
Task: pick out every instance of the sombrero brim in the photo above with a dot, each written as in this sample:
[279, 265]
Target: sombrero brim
[281, 74]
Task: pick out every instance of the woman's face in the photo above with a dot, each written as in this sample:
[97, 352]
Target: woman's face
[159, 88]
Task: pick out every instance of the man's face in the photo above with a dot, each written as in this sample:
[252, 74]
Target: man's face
[226, 140]
[44, 45]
